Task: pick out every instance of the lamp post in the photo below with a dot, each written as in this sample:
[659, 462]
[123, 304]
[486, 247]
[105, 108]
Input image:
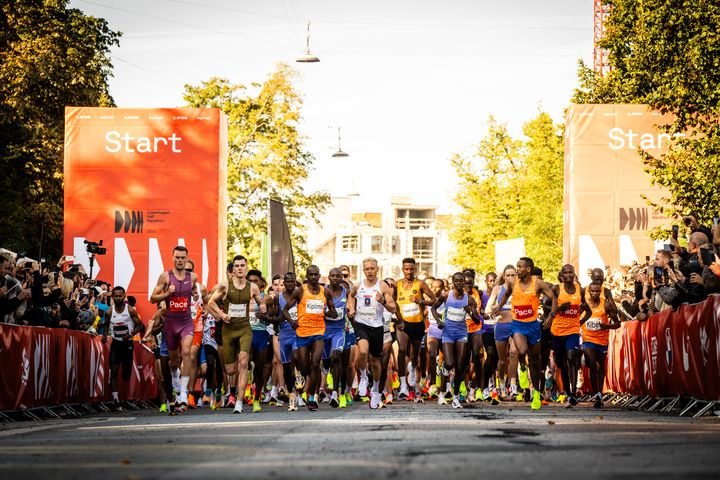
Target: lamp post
[307, 57]
[340, 152]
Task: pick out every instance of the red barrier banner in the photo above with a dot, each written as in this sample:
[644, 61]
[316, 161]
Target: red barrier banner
[672, 353]
[42, 367]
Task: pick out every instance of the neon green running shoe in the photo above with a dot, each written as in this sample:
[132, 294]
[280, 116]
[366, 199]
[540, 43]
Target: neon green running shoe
[304, 397]
[163, 408]
[343, 402]
[523, 379]
[329, 381]
[256, 406]
[348, 398]
[463, 390]
[536, 401]
[561, 398]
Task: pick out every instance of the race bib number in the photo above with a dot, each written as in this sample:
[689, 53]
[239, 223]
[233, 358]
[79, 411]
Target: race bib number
[210, 325]
[524, 312]
[120, 329]
[593, 325]
[410, 309]
[237, 310]
[314, 307]
[293, 313]
[455, 314]
[340, 314]
[253, 319]
[179, 304]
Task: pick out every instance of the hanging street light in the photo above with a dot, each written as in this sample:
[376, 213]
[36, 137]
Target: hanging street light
[307, 57]
[339, 152]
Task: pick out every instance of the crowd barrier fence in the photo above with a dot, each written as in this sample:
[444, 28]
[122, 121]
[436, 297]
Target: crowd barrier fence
[42, 367]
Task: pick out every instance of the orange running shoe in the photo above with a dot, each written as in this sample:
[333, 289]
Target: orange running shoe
[191, 400]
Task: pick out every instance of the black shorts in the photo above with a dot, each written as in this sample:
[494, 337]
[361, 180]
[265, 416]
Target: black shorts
[415, 330]
[122, 353]
[373, 335]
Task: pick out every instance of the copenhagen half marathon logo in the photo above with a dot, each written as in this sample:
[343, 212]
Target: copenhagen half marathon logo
[128, 221]
[633, 218]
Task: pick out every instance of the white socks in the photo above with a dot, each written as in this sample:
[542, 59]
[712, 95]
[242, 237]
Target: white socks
[184, 380]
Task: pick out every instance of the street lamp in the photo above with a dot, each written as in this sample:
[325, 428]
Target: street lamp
[339, 152]
[307, 57]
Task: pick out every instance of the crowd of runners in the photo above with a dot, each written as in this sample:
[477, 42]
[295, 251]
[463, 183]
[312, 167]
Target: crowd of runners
[293, 343]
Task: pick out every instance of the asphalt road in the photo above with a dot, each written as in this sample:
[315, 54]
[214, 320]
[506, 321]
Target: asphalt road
[400, 441]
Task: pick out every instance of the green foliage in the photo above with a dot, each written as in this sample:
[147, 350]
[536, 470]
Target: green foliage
[267, 159]
[51, 56]
[667, 55]
[511, 188]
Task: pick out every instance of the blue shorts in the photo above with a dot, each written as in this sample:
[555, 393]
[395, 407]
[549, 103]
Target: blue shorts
[503, 331]
[435, 332]
[350, 340]
[530, 330]
[288, 345]
[308, 341]
[454, 332]
[334, 340]
[600, 348]
[202, 355]
[164, 352]
[260, 340]
[566, 342]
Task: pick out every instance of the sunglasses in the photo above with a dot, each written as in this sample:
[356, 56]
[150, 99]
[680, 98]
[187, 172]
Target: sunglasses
[189, 270]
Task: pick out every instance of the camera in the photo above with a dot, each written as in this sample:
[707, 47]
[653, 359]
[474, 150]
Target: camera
[95, 248]
[675, 231]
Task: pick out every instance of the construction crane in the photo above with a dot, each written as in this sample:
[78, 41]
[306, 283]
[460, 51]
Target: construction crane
[600, 55]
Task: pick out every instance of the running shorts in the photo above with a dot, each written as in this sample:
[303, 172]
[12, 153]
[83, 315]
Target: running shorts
[260, 340]
[566, 343]
[288, 344]
[236, 339]
[307, 341]
[415, 330]
[503, 331]
[121, 353]
[435, 332]
[350, 340]
[177, 329]
[334, 340]
[454, 332]
[373, 335]
[600, 348]
[531, 331]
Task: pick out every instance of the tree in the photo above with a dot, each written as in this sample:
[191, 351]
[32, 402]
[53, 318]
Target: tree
[508, 189]
[667, 55]
[52, 56]
[267, 158]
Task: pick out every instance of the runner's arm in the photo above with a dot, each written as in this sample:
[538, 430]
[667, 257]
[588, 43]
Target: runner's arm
[139, 325]
[503, 300]
[543, 288]
[491, 301]
[585, 308]
[162, 291]
[330, 304]
[295, 297]
[389, 304]
[218, 295]
[255, 293]
[612, 313]
[438, 301]
[472, 310]
[425, 290]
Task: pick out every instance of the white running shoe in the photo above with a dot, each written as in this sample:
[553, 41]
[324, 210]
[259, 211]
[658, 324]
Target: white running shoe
[486, 394]
[375, 400]
[238, 407]
[412, 375]
[300, 401]
[292, 404]
[456, 402]
[470, 396]
[362, 387]
[441, 400]
[513, 390]
[403, 393]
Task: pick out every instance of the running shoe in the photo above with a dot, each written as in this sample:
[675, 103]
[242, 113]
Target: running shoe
[375, 400]
[299, 381]
[343, 402]
[214, 405]
[396, 381]
[441, 400]
[471, 395]
[163, 408]
[191, 400]
[117, 406]
[256, 406]
[536, 400]
[456, 402]
[329, 381]
[598, 401]
[238, 408]
[292, 403]
[572, 400]
[349, 399]
[432, 392]
[513, 390]
[482, 394]
[412, 375]
[200, 403]
[561, 398]
[494, 397]
[443, 371]
[463, 390]
[503, 393]
[312, 405]
[334, 402]
[411, 396]
[523, 379]
[172, 411]
[388, 399]
[225, 399]
[266, 397]
[248, 394]
[419, 397]
[403, 393]
[362, 387]
[231, 401]
[301, 400]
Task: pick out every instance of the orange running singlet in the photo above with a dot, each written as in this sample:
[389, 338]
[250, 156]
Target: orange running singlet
[525, 302]
[311, 313]
[591, 329]
[567, 322]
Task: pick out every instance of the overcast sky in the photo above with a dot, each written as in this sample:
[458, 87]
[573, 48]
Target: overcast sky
[409, 82]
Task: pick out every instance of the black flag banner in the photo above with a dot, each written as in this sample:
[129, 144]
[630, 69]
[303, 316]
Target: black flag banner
[282, 259]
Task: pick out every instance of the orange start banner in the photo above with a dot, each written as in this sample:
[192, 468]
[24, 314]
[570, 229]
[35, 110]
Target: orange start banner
[606, 219]
[144, 181]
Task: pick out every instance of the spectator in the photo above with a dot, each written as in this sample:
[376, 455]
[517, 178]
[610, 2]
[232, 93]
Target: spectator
[708, 258]
[12, 294]
[691, 221]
